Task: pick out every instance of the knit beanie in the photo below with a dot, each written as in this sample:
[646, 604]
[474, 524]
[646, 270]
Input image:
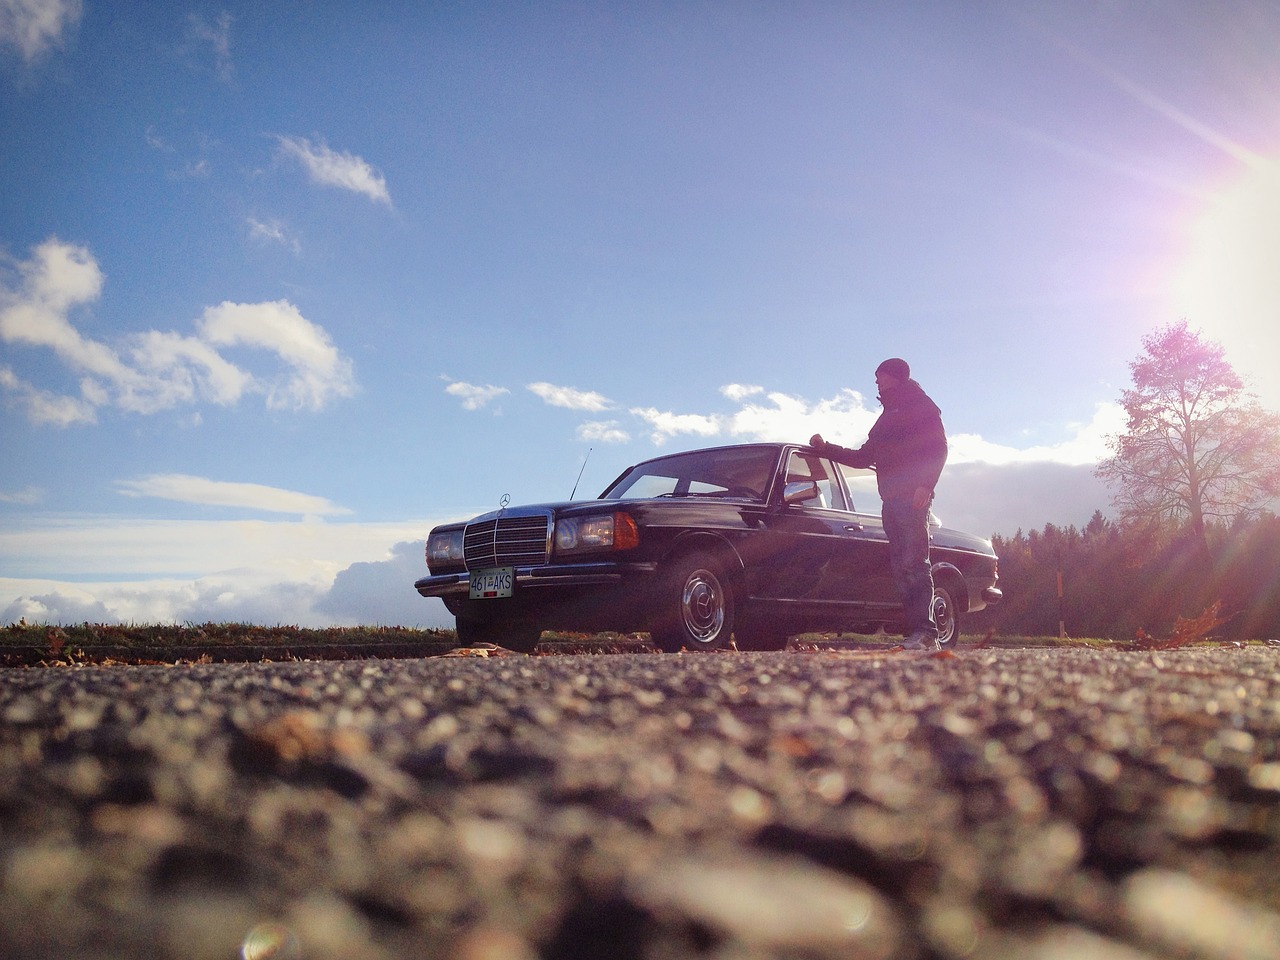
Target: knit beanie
[896, 368]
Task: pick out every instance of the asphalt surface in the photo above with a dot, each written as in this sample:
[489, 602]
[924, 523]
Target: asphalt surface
[1037, 804]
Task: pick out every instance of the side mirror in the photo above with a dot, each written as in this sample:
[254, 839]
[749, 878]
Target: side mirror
[800, 491]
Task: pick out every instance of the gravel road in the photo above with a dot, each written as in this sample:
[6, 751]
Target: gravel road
[1038, 804]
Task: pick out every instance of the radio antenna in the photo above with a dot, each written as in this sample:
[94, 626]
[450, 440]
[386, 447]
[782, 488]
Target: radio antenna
[584, 467]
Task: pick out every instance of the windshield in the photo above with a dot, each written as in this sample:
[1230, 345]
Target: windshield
[738, 473]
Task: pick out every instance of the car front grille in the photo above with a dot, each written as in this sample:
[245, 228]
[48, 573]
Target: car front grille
[507, 542]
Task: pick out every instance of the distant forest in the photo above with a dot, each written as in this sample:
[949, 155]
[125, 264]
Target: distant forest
[1117, 580]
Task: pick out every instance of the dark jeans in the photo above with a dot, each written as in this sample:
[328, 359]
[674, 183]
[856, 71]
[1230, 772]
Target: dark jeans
[908, 532]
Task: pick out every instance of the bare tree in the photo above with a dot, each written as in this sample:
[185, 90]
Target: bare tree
[1199, 446]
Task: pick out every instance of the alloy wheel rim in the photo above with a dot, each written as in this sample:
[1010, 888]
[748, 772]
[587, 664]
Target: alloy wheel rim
[702, 606]
[942, 619]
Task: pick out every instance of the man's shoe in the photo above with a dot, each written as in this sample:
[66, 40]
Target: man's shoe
[921, 640]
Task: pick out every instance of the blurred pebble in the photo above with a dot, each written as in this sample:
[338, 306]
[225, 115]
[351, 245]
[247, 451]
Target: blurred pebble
[1065, 943]
[777, 904]
[486, 943]
[1182, 914]
[271, 941]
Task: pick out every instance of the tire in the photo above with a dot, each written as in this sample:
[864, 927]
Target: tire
[947, 616]
[520, 637]
[760, 632]
[694, 608]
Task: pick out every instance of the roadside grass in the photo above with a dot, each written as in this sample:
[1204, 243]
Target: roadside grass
[33, 643]
[966, 642]
[56, 638]
[160, 636]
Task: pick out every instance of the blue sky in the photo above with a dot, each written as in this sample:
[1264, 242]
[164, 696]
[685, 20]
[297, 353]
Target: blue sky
[283, 285]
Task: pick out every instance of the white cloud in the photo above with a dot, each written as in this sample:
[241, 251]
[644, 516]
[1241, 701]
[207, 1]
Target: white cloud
[156, 141]
[380, 593]
[26, 496]
[308, 573]
[221, 493]
[272, 231]
[783, 418]
[53, 602]
[45, 408]
[987, 498]
[474, 397]
[162, 369]
[217, 36]
[180, 369]
[1086, 443]
[738, 392]
[125, 548]
[364, 593]
[842, 419]
[58, 277]
[332, 169]
[35, 26]
[192, 170]
[195, 167]
[569, 397]
[602, 431]
[319, 370]
[666, 424]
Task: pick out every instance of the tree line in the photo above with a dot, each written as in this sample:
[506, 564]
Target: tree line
[1116, 580]
[1194, 479]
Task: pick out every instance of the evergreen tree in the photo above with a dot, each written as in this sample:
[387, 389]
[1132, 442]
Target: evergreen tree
[1115, 583]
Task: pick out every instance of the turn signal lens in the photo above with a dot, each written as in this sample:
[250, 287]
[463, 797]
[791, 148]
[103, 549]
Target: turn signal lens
[625, 533]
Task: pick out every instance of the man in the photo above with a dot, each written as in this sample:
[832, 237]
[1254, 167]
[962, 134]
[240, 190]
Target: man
[908, 447]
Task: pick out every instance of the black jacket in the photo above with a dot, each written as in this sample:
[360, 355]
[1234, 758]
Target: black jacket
[907, 444]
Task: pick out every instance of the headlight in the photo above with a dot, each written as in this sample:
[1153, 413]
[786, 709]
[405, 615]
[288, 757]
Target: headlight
[616, 531]
[444, 547]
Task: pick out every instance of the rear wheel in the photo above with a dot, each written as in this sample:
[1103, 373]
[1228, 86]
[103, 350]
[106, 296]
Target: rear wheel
[946, 616]
[694, 608]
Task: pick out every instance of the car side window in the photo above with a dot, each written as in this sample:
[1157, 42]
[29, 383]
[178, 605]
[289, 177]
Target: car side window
[861, 485]
[806, 468]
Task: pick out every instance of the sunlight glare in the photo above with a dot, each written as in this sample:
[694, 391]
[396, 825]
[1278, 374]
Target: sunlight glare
[1229, 288]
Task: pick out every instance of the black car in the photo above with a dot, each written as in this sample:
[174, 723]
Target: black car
[755, 541]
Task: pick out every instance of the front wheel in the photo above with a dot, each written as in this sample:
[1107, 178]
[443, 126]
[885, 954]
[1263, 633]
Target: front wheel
[946, 616]
[694, 606]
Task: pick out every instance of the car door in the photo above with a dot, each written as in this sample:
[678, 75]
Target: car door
[867, 548]
[809, 553]
[876, 587]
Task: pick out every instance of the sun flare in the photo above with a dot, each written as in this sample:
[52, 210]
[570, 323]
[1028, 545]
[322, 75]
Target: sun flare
[1230, 284]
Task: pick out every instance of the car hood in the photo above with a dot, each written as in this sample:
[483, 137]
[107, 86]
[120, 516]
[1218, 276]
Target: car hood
[558, 508]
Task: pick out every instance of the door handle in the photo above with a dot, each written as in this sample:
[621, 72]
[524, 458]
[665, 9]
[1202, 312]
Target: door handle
[853, 528]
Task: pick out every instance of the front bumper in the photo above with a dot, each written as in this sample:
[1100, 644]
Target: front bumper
[458, 585]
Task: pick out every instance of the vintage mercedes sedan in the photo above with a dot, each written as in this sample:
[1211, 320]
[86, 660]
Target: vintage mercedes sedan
[755, 542]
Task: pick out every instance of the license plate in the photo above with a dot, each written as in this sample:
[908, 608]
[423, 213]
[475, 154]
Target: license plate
[489, 584]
